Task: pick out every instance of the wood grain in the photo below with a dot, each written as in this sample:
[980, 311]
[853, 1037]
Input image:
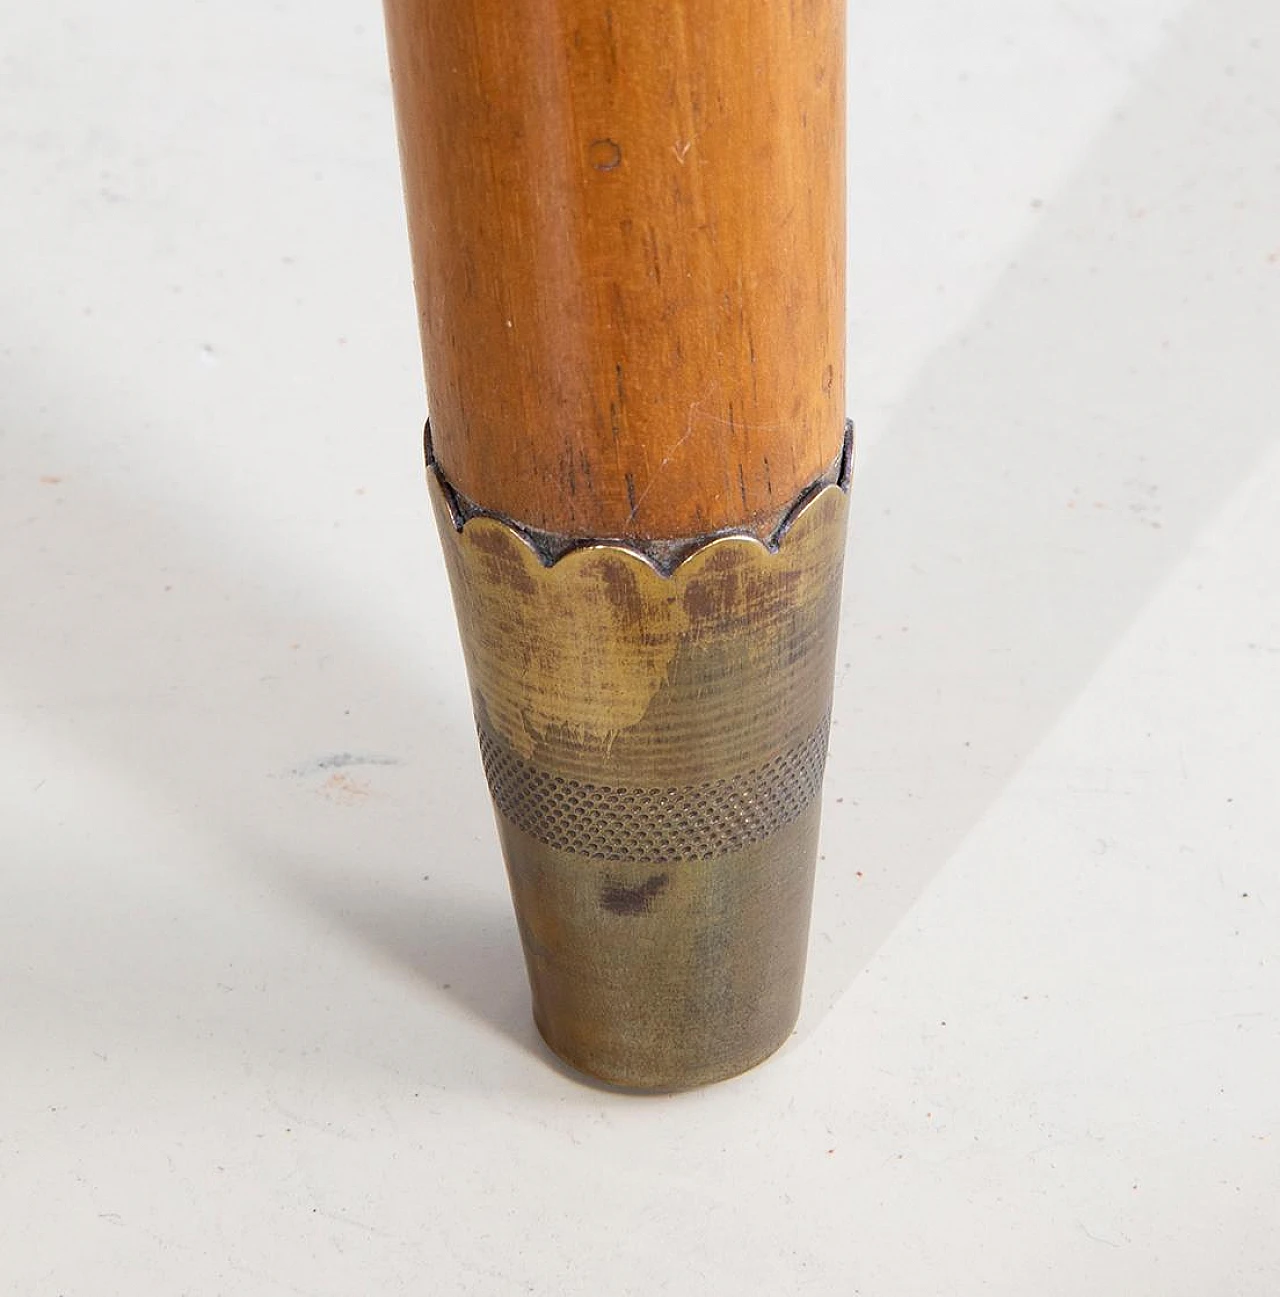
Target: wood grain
[627, 224]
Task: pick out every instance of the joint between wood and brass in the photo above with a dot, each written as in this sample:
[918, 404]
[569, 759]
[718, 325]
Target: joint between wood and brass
[663, 555]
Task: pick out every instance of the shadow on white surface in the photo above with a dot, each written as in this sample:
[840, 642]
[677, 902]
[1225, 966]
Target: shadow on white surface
[336, 789]
[1047, 471]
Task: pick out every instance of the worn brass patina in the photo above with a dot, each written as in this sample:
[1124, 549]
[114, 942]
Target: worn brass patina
[654, 734]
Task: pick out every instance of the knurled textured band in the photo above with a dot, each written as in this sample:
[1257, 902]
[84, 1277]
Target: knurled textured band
[651, 822]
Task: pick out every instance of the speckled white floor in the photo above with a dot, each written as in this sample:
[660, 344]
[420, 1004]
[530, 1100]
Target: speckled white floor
[263, 1023]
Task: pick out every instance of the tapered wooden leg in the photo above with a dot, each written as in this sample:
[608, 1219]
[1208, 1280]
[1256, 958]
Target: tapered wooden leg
[627, 225]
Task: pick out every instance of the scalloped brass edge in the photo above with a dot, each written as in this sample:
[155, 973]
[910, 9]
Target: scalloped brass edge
[535, 634]
[664, 557]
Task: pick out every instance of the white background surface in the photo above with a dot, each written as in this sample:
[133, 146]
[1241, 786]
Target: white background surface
[262, 1012]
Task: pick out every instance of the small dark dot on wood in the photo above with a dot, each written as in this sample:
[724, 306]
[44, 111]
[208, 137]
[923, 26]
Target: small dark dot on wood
[604, 155]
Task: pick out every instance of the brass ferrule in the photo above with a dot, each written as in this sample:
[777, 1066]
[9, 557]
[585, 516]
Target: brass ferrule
[654, 730]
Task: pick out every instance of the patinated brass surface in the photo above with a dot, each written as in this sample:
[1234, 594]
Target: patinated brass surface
[654, 744]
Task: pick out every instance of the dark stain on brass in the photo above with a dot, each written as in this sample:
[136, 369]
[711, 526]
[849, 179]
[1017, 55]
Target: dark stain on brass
[618, 898]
